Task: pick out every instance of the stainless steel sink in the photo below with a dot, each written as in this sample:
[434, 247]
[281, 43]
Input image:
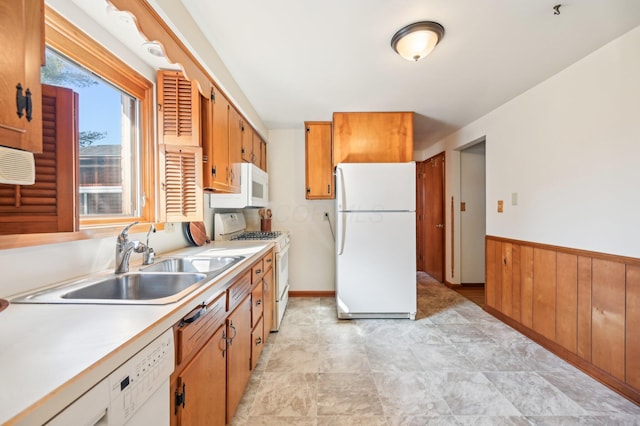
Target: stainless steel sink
[142, 288]
[201, 264]
[136, 286]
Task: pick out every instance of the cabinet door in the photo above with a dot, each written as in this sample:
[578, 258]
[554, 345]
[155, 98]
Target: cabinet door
[235, 148]
[263, 155]
[21, 38]
[178, 109]
[239, 354]
[257, 157]
[219, 156]
[257, 342]
[247, 143]
[268, 297]
[257, 303]
[318, 161]
[372, 137]
[202, 384]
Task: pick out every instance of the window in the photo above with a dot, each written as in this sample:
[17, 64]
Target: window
[109, 148]
[115, 154]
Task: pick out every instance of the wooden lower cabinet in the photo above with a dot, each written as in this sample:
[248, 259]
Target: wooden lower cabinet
[581, 305]
[238, 354]
[217, 347]
[200, 389]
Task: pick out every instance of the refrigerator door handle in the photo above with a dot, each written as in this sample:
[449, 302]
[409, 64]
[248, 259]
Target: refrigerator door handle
[341, 233]
[342, 201]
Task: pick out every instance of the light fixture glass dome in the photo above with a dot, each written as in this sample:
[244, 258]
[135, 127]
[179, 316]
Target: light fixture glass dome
[417, 40]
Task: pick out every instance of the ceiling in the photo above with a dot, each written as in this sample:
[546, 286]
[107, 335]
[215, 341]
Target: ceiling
[299, 61]
[302, 60]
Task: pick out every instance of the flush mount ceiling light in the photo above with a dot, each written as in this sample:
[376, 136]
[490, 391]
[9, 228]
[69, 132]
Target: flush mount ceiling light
[417, 40]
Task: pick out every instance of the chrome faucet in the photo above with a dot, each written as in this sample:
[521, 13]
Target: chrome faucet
[149, 255]
[124, 247]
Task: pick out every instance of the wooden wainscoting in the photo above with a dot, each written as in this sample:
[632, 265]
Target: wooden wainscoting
[583, 306]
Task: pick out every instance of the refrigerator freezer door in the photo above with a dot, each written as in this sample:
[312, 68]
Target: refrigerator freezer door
[376, 265]
[376, 186]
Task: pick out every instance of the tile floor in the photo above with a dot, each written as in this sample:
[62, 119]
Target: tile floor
[454, 365]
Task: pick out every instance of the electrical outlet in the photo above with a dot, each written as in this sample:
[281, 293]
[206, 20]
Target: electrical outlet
[500, 206]
[169, 227]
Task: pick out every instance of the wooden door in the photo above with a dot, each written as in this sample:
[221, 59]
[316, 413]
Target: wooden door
[239, 354]
[202, 384]
[430, 211]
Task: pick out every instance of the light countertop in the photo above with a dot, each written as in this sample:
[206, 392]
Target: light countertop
[50, 354]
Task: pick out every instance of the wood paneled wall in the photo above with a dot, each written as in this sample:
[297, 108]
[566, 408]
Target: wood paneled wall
[583, 306]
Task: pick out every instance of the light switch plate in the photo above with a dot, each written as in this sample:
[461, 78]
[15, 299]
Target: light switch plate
[514, 198]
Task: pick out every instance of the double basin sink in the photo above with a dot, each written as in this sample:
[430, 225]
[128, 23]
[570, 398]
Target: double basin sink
[166, 281]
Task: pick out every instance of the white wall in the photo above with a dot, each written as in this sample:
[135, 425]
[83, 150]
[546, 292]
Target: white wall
[311, 257]
[570, 147]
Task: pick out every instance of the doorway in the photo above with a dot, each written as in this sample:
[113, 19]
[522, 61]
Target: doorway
[472, 214]
[430, 215]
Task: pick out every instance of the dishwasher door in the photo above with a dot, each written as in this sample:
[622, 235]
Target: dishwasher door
[135, 394]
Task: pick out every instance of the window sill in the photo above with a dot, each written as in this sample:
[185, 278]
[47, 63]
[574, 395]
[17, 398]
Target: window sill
[29, 240]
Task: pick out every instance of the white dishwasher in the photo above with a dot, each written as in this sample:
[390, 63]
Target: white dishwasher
[135, 394]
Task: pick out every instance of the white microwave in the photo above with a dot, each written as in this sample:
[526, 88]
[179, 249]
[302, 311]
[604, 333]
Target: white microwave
[254, 190]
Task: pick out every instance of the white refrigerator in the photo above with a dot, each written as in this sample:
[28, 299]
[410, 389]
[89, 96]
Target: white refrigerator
[376, 240]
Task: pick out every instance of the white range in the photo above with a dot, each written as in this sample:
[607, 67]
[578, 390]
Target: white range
[233, 227]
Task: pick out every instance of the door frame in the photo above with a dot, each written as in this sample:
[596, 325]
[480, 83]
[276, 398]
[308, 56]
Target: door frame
[421, 208]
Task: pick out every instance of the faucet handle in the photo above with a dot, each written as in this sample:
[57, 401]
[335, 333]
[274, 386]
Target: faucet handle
[125, 232]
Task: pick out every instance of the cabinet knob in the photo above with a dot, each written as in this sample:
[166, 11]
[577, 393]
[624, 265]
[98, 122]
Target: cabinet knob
[258, 341]
[258, 302]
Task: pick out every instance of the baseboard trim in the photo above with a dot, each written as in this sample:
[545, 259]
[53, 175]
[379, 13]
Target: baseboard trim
[603, 377]
[312, 293]
[472, 284]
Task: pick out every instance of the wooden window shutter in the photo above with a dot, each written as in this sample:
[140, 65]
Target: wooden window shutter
[179, 109]
[50, 204]
[182, 197]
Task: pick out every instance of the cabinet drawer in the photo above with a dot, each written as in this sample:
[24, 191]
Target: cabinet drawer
[257, 304]
[197, 327]
[257, 342]
[257, 271]
[268, 261]
[238, 291]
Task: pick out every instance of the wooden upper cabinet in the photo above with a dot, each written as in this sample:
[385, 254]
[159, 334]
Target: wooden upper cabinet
[219, 146]
[372, 137]
[235, 148]
[254, 148]
[178, 109]
[318, 161]
[22, 41]
[248, 134]
[263, 155]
